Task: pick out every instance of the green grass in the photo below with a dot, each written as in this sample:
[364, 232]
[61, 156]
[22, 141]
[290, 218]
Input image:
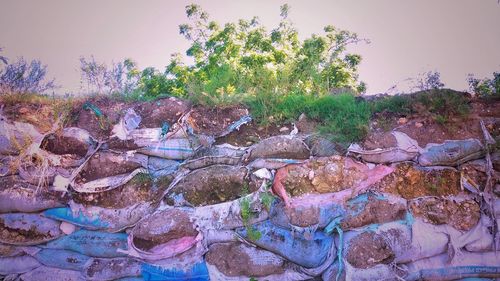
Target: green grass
[341, 117]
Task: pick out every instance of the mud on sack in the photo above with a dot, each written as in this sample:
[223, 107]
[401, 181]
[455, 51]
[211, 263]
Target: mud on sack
[451, 152]
[27, 229]
[112, 210]
[308, 253]
[406, 149]
[210, 185]
[164, 234]
[106, 170]
[16, 195]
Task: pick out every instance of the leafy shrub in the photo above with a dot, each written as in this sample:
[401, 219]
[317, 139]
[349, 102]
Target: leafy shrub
[22, 77]
[485, 88]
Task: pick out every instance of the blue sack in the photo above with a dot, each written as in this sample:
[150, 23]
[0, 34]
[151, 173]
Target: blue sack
[198, 272]
[92, 243]
[61, 259]
[308, 253]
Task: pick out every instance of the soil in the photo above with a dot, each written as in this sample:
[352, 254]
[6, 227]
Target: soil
[373, 211]
[138, 189]
[251, 133]
[233, 259]
[106, 164]
[303, 217]
[155, 113]
[213, 121]
[369, 249]
[461, 215]
[61, 145]
[162, 227]
[410, 182]
[114, 265]
[212, 185]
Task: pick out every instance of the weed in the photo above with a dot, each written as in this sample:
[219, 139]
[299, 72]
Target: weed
[267, 199]
[440, 119]
[142, 179]
[245, 210]
[253, 234]
[399, 104]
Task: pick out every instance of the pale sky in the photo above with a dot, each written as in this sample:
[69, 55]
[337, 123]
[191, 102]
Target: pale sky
[454, 37]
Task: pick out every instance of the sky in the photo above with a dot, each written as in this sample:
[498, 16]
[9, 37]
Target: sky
[408, 37]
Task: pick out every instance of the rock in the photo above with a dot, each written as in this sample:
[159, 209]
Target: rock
[284, 129]
[418, 124]
[402, 121]
[285, 147]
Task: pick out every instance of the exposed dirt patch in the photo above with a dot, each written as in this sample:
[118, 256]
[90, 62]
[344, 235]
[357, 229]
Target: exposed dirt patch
[237, 259]
[121, 145]
[60, 145]
[410, 181]
[212, 185]
[155, 113]
[303, 217]
[162, 227]
[461, 215]
[138, 189]
[213, 121]
[374, 210]
[369, 249]
[106, 164]
[251, 133]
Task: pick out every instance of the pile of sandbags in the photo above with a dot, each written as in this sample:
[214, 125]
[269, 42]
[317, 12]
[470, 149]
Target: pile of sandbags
[153, 198]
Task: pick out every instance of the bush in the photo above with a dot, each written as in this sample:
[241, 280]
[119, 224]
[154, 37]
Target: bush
[22, 77]
[485, 88]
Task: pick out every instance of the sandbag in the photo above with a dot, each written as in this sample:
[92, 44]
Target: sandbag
[451, 152]
[62, 259]
[160, 167]
[210, 185]
[305, 215]
[108, 170]
[406, 149]
[111, 269]
[284, 147]
[321, 147]
[27, 229]
[463, 265]
[92, 243]
[7, 250]
[44, 273]
[218, 154]
[19, 264]
[272, 163]
[162, 235]
[71, 140]
[19, 196]
[462, 214]
[326, 175]
[235, 259]
[307, 253]
[98, 218]
[195, 272]
[16, 136]
[371, 208]
[248, 209]
[410, 181]
[189, 265]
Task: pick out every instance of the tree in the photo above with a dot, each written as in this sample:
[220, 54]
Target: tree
[244, 58]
